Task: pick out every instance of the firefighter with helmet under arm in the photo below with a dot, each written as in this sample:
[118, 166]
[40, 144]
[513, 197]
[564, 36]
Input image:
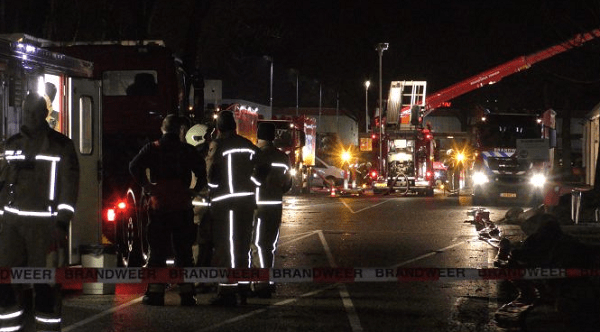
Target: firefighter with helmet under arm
[39, 185]
[230, 163]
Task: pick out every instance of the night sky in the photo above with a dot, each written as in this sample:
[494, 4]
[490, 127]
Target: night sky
[331, 44]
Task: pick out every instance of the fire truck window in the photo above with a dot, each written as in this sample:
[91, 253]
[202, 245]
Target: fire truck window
[283, 139]
[85, 132]
[129, 83]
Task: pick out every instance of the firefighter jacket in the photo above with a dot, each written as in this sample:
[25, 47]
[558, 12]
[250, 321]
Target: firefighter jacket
[230, 164]
[171, 163]
[273, 173]
[40, 175]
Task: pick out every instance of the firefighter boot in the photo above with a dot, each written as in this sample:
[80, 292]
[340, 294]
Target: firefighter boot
[155, 295]
[187, 295]
[226, 296]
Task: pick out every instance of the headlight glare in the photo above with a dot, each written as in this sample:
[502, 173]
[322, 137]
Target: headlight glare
[480, 178]
[538, 180]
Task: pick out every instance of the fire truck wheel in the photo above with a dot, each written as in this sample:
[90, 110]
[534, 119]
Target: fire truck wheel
[130, 233]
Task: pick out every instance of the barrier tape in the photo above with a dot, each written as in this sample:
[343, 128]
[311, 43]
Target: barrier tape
[78, 275]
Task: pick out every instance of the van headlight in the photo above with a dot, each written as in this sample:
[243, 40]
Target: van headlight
[538, 180]
[480, 178]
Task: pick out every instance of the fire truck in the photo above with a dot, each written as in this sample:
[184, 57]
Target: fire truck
[406, 147]
[246, 120]
[135, 85]
[408, 105]
[296, 136]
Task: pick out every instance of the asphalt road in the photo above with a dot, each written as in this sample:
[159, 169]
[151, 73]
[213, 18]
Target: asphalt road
[321, 231]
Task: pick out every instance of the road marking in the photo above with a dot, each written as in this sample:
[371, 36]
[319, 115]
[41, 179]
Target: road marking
[348, 305]
[366, 208]
[430, 254]
[346, 300]
[102, 314]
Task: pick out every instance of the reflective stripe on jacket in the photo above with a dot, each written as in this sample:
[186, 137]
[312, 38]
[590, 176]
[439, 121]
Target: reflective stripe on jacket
[40, 175]
[230, 164]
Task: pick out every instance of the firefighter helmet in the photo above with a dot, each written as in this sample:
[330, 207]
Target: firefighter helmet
[197, 134]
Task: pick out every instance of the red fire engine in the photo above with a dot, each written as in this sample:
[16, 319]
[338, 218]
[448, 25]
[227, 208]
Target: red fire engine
[296, 136]
[141, 82]
[408, 105]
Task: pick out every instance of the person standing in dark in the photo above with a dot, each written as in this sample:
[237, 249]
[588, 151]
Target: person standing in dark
[199, 136]
[171, 163]
[230, 164]
[272, 171]
[39, 187]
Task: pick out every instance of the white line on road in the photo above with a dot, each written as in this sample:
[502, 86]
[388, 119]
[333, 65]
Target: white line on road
[366, 208]
[102, 314]
[352, 316]
[430, 254]
[346, 300]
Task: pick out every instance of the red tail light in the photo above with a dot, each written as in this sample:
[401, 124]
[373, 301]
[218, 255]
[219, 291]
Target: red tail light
[111, 213]
[373, 174]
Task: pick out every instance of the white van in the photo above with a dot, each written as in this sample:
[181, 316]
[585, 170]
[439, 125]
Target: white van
[323, 170]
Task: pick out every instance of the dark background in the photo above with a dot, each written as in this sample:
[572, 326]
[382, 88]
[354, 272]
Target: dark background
[331, 44]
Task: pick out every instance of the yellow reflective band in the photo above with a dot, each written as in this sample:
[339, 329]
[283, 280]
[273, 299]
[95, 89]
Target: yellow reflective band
[231, 245]
[216, 199]
[11, 315]
[48, 320]
[66, 207]
[29, 213]
[250, 151]
[256, 243]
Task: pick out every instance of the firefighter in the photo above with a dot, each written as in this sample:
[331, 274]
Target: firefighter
[171, 220]
[199, 136]
[230, 163]
[39, 185]
[272, 171]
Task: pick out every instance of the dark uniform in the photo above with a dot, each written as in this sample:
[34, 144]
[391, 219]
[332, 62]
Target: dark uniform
[273, 173]
[230, 164]
[40, 180]
[171, 220]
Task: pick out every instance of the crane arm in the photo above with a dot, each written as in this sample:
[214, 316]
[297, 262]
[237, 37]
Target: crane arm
[495, 74]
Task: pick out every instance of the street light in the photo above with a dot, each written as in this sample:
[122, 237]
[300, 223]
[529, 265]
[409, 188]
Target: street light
[380, 48]
[367, 84]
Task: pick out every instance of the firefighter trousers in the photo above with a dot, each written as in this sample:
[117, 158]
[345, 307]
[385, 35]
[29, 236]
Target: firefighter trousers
[267, 219]
[166, 230]
[232, 231]
[31, 242]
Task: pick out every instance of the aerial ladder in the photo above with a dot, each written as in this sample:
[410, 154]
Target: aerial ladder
[408, 103]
